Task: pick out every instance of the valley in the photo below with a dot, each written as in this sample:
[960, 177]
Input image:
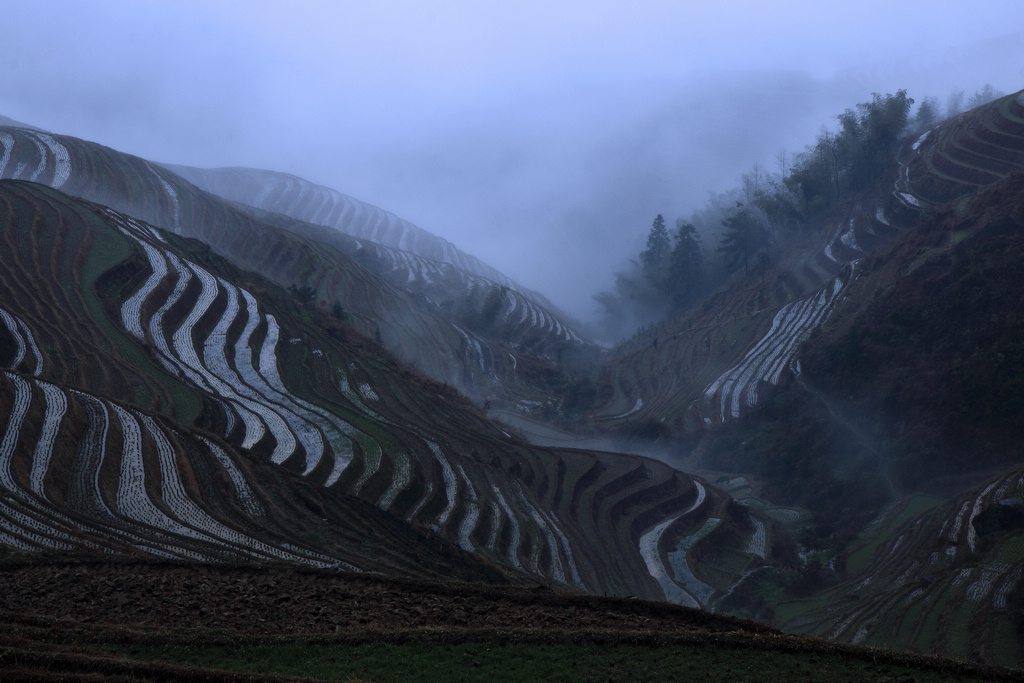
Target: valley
[238, 373]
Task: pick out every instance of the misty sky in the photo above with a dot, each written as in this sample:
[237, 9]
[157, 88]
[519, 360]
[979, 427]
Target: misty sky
[541, 136]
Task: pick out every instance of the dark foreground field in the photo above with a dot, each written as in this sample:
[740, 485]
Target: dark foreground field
[83, 619]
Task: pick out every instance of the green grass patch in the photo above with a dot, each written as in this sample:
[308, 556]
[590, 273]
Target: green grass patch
[859, 558]
[907, 622]
[930, 629]
[916, 505]
[958, 637]
[1012, 551]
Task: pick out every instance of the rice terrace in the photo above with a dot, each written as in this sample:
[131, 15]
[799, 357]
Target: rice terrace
[253, 428]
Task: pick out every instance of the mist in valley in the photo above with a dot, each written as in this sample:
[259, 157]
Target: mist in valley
[822, 434]
[542, 139]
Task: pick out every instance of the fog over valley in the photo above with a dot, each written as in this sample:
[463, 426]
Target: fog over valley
[540, 138]
[360, 340]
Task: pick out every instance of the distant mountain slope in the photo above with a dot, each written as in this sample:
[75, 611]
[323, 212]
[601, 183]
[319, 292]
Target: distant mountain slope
[291, 253]
[419, 256]
[7, 121]
[292, 196]
[519, 318]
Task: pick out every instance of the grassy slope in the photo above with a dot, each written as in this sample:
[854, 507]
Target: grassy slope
[338, 627]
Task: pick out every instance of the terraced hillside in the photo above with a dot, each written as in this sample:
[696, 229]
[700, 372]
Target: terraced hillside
[515, 316]
[407, 255]
[298, 198]
[709, 365]
[963, 154]
[100, 447]
[712, 364]
[213, 404]
[933, 576]
[308, 258]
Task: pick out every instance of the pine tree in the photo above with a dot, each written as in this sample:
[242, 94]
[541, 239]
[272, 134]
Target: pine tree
[685, 267]
[655, 258]
[742, 238]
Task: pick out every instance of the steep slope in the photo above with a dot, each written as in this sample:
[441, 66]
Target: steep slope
[927, 348]
[711, 365]
[305, 257]
[190, 356]
[963, 154]
[911, 392]
[923, 361]
[876, 368]
[903, 433]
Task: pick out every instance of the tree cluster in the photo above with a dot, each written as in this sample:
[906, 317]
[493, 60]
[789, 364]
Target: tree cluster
[667, 278]
[751, 223]
[847, 161]
[673, 265]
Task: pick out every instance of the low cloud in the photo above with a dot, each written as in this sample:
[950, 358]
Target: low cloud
[540, 138]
